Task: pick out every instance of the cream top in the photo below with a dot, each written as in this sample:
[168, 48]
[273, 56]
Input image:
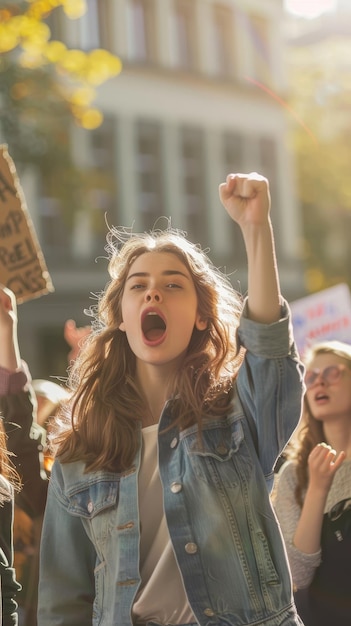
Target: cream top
[161, 596]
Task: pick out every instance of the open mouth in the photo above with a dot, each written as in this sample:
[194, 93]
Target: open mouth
[153, 326]
[321, 396]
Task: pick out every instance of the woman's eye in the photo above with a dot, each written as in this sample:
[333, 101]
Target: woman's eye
[139, 286]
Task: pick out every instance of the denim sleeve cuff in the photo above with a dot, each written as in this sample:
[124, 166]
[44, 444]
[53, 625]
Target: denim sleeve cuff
[12, 382]
[267, 340]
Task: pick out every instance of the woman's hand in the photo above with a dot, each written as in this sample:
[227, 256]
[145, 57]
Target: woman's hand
[246, 198]
[323, 462]
[8, 310]
[247, 201]
[9, 353]
[74, 336]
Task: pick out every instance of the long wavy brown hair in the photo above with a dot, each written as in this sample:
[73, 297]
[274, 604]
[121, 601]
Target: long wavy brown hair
[311, 431]
[7, 468]
[107, 404]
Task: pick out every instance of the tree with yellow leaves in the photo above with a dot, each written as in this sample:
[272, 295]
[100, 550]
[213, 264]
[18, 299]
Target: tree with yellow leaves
[25, 43]
[44, 88]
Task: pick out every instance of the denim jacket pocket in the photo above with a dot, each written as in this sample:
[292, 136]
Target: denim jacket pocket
[216, 450]
[92, 498]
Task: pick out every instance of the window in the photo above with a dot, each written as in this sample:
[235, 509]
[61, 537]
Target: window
[223, 41]
[53, 228]
[149, 169]
[52, 350]
[184, 33]
[141, 30]
[56, 22]
[234, 161]
[269, 168]
[268, 160]
[260, 47]
[101, 182]
[93, 30]
[96, 26]
[56, 206]
[233, 145]
[72, 216]
[192, 171]
[88, 24]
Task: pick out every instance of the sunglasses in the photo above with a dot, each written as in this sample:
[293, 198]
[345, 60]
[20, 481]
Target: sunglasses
[329, 375]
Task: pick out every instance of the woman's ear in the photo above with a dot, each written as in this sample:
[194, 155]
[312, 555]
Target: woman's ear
[200, 323]
[122, 327]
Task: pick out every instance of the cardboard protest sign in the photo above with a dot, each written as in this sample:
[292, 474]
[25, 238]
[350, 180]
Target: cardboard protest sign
[22, 264]
[322, 316]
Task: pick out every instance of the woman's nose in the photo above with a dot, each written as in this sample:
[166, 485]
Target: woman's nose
[153, 294]
[320, 380]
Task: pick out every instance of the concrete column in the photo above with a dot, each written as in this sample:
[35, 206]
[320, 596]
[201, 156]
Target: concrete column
[220, 242]
[205, 36]
[119, 21]
[127, 182]
[163, 28]
[174, 206]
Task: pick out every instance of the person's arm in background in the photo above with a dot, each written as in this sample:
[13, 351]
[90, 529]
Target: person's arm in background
[303, 564]
[74, 336]
[323, 463]
[25, 438]
[9, 353]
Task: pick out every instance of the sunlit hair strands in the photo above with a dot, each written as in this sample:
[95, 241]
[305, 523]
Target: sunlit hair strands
[7, 468]
[107, 405]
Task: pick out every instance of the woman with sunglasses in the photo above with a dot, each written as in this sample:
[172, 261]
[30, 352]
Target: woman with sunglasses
[313, 491]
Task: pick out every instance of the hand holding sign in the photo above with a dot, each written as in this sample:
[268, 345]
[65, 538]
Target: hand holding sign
[22, 264]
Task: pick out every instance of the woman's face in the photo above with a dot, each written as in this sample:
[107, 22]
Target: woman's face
[159, 308]
[328, 381]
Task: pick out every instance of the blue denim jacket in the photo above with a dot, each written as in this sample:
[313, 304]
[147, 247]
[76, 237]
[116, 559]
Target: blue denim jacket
[216, 498]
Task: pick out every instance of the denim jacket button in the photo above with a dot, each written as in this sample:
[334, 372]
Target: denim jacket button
[191, 548]
[90, 507]
[174, 442]
[209, 612]
[222, 449]
[176, 487]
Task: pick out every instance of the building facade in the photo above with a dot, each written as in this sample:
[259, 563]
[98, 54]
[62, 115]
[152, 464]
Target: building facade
[201, 94]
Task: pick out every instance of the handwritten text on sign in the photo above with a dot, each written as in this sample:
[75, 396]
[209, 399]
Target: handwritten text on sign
[22, 264]
[322, 316]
